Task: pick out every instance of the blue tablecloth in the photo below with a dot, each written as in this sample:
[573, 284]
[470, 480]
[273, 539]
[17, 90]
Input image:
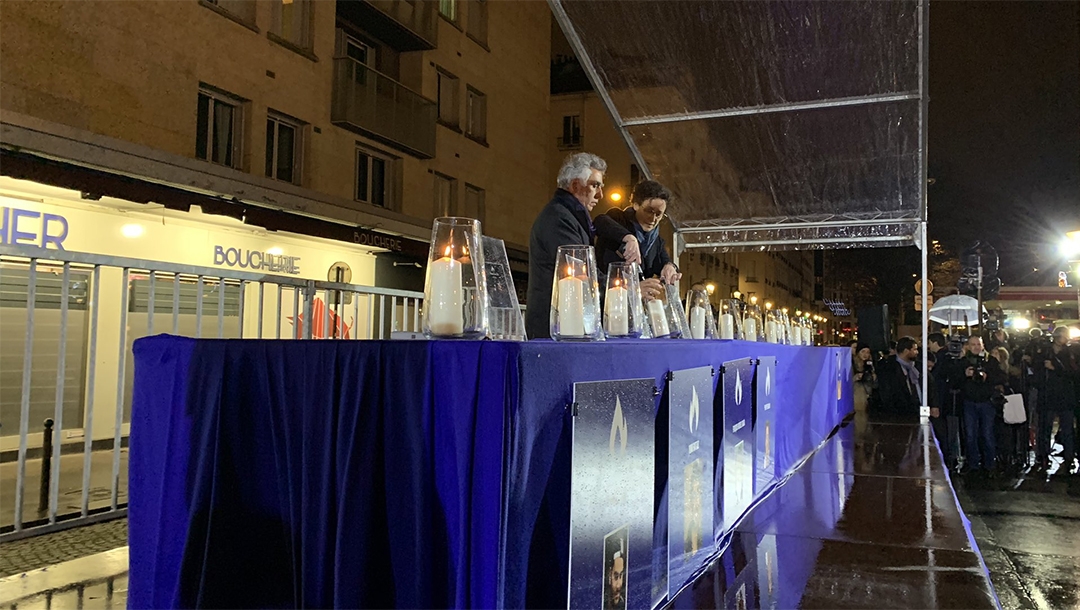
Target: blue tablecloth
[387, 474]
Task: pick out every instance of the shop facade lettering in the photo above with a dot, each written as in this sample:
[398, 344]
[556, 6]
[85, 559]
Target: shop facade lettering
[19, 227]
[241, 258]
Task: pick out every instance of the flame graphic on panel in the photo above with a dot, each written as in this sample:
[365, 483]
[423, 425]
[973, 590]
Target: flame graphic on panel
[695, 411]
[738, 387]
[618, 428]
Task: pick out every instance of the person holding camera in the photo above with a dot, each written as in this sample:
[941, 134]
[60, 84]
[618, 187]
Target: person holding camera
[981, 378]
[1057, 375]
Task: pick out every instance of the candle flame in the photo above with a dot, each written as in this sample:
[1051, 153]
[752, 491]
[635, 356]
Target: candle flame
[616, 283]
[569, 271]
[447, 252]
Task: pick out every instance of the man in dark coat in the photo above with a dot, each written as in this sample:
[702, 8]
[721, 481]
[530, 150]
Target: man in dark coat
[564, 221]
[899, 383]
[633, 234]
[1058, 376]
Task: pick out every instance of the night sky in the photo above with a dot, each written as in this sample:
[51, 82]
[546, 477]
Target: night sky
[1004, 139]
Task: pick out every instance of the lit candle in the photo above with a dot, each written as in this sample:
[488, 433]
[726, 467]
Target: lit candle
[808, 335]
[446, 315]
[571, 305]
[658, 318]
[770, 331]
[750, 329]
[727, 326]
[697, 322]
[616, 305]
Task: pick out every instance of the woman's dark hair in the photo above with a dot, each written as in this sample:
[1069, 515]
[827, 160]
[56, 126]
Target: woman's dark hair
[649, 189]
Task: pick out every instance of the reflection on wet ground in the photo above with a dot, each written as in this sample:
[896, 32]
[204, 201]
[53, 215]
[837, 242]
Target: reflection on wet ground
[868, 521]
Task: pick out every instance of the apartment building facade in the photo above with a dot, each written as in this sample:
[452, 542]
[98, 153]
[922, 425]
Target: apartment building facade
[315, 138]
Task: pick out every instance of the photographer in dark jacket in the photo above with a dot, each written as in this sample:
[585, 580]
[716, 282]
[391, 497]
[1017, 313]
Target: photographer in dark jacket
[633, 234]
[1057, 374]
[981, 377]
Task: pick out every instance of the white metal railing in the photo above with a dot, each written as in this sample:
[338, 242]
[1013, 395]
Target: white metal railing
[67, 324]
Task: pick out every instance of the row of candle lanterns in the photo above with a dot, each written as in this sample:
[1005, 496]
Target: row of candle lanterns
[456, 299]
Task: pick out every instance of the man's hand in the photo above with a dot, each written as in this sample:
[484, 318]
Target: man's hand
[935, 412]
[970, 372]
[669, 274]
[631, 251]
[651, 288]
[1049, 364]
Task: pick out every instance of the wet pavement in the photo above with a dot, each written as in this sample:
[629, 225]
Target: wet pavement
[870, 520]
[1028, 527]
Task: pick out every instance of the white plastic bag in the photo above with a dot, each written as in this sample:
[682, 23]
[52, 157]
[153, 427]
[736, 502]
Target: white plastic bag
[1014, 409]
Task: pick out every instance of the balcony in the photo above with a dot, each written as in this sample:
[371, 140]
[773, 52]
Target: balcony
[377, 106]
[406, 25]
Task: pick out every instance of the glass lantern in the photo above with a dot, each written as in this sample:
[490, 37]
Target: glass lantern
[730, 326]
[699, 313]
[664, 316]
[753, 326]
[575, 296]
[624, 315]
[455, 285]
[785, 324]
[772, 326]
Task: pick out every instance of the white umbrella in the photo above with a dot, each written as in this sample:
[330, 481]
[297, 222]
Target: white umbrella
[956, 309]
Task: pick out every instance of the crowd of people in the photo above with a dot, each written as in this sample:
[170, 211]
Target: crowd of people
[993, 402]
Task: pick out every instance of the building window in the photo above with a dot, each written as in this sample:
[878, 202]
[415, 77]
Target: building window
[474, 203]
[242, 10]
[445, 195]
[447, 97]
[751, 271]
[217, 134]
[374, 177]
[283, 146]
[476, 115]
[292, 22]
[448, 9]
[571, 132]
[359, 50]
[476, 27]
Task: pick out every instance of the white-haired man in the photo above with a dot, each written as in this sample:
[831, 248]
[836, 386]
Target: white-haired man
[564, 221]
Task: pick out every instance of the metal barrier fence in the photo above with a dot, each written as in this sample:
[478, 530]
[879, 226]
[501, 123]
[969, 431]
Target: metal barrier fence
[72, 317]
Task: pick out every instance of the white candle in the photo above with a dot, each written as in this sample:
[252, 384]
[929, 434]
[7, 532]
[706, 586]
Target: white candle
[788, 335]
[658, 318]
[750, 329]
[697, 322]
[616, 304]
[808, 335]
[770, 331]
[446, 316]
[727, 326]
[571, 306]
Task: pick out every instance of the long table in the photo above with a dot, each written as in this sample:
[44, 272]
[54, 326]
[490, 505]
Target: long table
[389, 473]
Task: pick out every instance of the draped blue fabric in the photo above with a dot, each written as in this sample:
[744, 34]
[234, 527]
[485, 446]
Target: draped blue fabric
[386, 474]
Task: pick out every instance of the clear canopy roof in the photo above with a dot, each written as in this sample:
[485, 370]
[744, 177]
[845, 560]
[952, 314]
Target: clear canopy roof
[792, 123]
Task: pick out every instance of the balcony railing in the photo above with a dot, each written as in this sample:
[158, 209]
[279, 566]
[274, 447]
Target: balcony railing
[371, 103]
[406, 26]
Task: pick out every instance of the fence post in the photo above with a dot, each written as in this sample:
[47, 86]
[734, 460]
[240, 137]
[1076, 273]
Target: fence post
[46, 466]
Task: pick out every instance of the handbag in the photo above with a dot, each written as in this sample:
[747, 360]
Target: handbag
[1014, 409]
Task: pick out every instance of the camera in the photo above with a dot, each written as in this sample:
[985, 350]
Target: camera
[979, 374]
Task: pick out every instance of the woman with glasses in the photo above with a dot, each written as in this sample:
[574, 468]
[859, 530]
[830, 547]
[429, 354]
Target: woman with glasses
[633, 235]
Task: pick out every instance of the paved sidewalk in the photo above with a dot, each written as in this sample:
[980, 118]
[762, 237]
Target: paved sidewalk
[95, 582]
[48, 549]
[1028, 529]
